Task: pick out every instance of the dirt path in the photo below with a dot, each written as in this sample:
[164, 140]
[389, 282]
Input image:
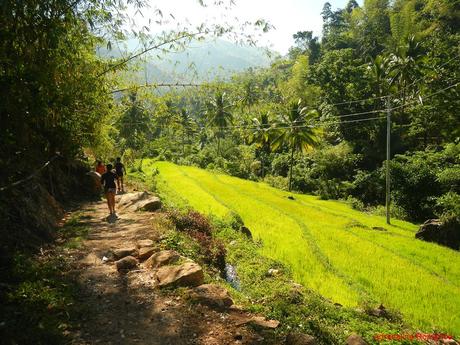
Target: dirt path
[129, 308]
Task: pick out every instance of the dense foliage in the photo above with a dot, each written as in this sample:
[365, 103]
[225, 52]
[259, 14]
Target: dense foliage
[320, 112]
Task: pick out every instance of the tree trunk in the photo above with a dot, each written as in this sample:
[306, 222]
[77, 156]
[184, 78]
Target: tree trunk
[290, 167]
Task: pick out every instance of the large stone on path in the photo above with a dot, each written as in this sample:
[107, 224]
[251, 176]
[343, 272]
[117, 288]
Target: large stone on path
[211, 295]
[93, 182]
[300, 339]
[355, 339]
[187, 274]
[151, 204]
[122, 252]
[139, 201]
[146, 252]
[145, 243]
[446, 234]
[161, 258]
[261, 322]
[127, 263]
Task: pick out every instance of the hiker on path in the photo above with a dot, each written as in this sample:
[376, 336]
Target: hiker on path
[110, 189]
[120, 170]
[100, 168]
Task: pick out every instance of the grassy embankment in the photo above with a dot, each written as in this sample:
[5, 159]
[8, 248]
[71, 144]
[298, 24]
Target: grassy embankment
[329, 247]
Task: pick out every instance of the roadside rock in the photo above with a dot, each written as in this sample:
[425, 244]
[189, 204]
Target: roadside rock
[272, 272]
[146, 252]
[378, 312]
[145, 243]
[355, 339]
[259, 321]
[245, 231]
[139, 201]
[94, 183]
[433, 230]
[187, 274]
[300, 339]
[123, 252]
[161, 258]
[151, 204]
[126, 263]
[211, 295]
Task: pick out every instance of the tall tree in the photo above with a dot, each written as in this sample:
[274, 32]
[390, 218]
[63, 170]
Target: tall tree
[296, 129]
[218, 115]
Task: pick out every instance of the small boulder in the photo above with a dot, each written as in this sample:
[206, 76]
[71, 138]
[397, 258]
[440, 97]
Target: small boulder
[139, 201]
[245, 231]
[150, 205]
[146, 252]
[127, 263]
[273, 272]
[261, 322]
[161, 258]
[378, 312]
[145, 243]
[355, 339]
[211, 295]
[300, 339]
[187, 274]
[446, 234]
[122, 252]
[93, 183]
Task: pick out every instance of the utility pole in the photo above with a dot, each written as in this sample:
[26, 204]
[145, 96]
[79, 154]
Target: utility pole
[387, 172]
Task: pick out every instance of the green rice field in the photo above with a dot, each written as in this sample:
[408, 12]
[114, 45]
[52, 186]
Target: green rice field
[330, 247]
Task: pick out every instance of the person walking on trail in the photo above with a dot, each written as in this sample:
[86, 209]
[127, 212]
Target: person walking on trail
[120, 170]
[110, 189]
[100, 168]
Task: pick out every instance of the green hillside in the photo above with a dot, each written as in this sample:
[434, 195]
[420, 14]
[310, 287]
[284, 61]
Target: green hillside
[348, 256]
[200, 61]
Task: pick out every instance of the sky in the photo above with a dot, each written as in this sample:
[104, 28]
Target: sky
[287, 16]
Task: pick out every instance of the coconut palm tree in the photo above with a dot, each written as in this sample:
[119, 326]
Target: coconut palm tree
[260, 134]
[296, 130]
[218, 115]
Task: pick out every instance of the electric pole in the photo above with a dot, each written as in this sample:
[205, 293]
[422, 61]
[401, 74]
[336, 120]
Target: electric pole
[387, 172]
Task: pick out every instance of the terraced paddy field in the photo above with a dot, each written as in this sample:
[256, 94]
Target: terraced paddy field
[347, 256]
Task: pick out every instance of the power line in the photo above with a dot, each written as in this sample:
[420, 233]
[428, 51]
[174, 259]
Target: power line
[135, 87]
[271, 126]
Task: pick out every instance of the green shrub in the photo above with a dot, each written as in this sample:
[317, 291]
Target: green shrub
[277, 181]
[448, 207]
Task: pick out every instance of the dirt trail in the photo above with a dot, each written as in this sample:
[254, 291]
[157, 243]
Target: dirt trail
[128, 308]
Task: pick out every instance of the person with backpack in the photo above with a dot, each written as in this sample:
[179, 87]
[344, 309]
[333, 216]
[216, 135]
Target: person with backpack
[120, 171]
[108, 181]
[100, 168]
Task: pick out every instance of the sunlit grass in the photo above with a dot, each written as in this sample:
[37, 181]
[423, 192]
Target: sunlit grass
[332, 248]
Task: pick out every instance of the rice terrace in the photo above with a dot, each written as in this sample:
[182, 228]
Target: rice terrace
[347, 256]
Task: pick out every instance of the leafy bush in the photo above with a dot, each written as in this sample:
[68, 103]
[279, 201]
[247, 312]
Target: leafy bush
[190, 221]
[199, 228]
[424, 183]
[369, 187]
[276, 181]
[448, 207]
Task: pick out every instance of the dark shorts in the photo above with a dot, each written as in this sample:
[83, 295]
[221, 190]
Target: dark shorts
[110, 190]
[119, 175]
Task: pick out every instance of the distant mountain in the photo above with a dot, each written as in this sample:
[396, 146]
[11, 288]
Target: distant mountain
[200, 61]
